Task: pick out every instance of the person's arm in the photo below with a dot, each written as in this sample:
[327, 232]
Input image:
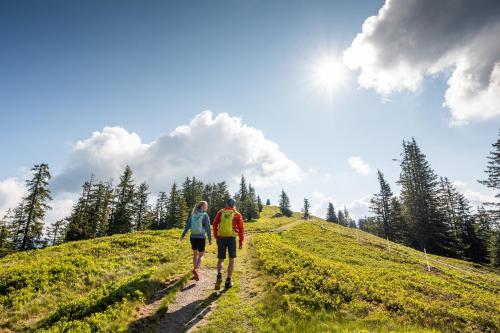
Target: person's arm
[216, 224]
[186, 228]
[241, 230]
[206, 225]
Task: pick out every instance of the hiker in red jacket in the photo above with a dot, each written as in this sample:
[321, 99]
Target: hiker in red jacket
[227, 224]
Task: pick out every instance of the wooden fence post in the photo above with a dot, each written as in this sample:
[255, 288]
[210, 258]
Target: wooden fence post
[427, 260]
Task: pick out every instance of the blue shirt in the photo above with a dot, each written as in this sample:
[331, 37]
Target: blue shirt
[206, 226]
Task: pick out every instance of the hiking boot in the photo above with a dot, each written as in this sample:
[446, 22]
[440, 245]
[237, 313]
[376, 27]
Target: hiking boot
[228, 284]
[196, 277]
[218, 282]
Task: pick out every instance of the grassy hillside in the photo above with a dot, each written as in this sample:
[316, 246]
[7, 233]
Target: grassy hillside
[291, 276]
[316, 276]
[87, 286]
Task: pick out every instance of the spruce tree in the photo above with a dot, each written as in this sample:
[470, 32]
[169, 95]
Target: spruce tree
[192, 191]
[494, 248]
[284, 204]
[176, 209]
[102, 208]
[123, 213]
[260, 206]
[307, 206]
[381, 205]
[36, 204]
[141, 207]
[79, 221]
[56, 232]
[160, 212]
[419, 196]
[400, 231]
[4, 231]
[251, 204]
[330, 214]
[453, 217]
[475, 249]
[268, 202]
[493, 179]
[16, 223]
[349, 221]
[341, 218]
[371, 225]
[486, 232]
[243, 192]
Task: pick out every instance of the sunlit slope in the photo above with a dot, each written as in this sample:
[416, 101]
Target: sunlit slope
[87, 286]
[322, 267]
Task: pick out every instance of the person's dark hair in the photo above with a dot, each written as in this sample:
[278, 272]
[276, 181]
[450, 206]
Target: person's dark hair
[231, 202]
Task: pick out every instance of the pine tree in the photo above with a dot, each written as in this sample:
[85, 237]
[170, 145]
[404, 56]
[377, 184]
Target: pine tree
[78, 222]
[243, 192]
[305, 210]
[475, 249]
[35, 206]
[192, 192]
[341, 218]
[16, 224]
[268, 202]
[349, 221]
[400, 229]
[57, 232]
[251, 204]
[141, 208]
[486, 232]
[176, 209]
[494, 248]
[160, 212]
[260, 206]
[419, 197]
[331, 216]
[123, 214]
[448, 201]
[102, 208]
[493, 179]
[371, 225]
[284, 204]
[4, 231]
[381, 205]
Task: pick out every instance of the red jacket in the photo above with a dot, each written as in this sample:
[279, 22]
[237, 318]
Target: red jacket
[237, 224]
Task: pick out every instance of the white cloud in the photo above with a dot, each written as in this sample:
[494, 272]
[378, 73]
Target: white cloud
[411, 39]
[211, 148]
[475, 198]
[357, 208]
[11, 191]
[360, 207]
[357, 164]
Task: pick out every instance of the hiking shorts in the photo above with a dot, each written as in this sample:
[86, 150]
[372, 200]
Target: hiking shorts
[228, 243]
[198, 244]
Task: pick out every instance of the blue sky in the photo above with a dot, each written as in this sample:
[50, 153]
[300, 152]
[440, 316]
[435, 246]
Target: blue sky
[68, 69]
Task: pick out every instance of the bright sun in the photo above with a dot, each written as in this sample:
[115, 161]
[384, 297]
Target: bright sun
[328, 74]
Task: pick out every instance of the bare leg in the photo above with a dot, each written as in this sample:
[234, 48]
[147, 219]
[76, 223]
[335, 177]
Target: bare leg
[195, 258]
[219, 266]
[230, 268]
[200, 257]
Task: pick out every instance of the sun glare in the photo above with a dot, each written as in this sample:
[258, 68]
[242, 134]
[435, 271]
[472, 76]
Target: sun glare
[328, 74]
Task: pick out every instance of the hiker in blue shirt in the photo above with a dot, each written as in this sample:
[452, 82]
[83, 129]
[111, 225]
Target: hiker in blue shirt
[199, 224]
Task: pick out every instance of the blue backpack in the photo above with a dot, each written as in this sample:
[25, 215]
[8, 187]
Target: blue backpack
[197, 224]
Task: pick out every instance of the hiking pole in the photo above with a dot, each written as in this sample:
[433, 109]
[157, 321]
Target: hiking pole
[427, 261]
